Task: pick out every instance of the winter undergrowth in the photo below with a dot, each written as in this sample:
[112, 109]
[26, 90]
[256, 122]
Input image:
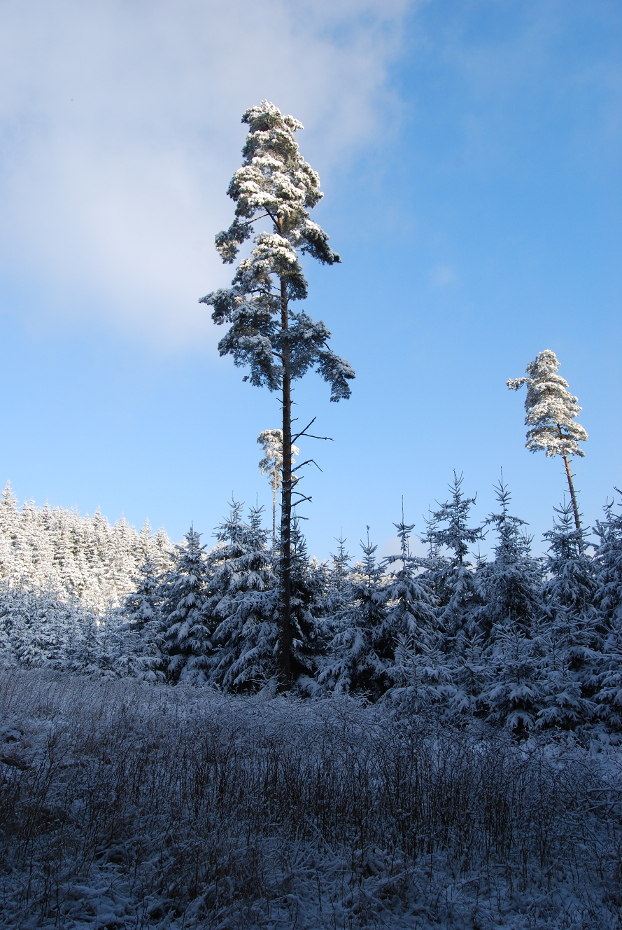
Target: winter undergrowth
[125, 805]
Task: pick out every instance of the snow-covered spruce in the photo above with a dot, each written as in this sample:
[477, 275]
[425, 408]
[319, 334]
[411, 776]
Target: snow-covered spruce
[572, 650]
[608, 564]
[243, 601]
[62, 578]
[408, 637]
[510, 619]
[354, 664]
[85, 557]
[186, 639]
[145, 625]
[451, 577]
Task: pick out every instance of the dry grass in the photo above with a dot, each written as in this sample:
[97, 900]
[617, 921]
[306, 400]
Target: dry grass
[129, 806]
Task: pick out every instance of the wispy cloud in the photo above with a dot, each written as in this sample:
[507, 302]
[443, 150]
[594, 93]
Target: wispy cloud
[119, 123]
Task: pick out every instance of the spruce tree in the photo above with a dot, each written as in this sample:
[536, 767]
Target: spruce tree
[514, 694]
[511, 618]
[409, 606]
[265, 333]
[186, 640]
[243, 601]
[509, 586]
[142, 611]
[355, 664]
[608, 566]
[407, 637]
[572, 648]
[337, 592]
[551, 414]
[451, 578]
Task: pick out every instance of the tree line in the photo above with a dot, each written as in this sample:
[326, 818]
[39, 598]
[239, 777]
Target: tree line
[523, 642]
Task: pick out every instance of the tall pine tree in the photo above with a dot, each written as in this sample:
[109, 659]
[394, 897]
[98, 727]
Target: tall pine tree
[276, 342]
[551, 411]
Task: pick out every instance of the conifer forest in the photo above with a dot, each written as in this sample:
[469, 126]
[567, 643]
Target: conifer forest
[227, 732]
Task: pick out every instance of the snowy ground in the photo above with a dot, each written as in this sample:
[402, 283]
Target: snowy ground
[130, 806]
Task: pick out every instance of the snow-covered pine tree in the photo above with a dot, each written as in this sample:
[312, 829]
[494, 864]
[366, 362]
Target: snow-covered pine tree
[308, 589]
[409, 601]
[277, 343]
[551, 411]
[144, 625]
[337, 591]
[354, 664]
[470, 675]
[271, 463]
[9, 531]
[408, 638]
[572, 654]
[421, 674]
[34, 627]
[514, 694]
[608, 566]
[187, 636]
[451, 578]
[243, 599]
[142, 606]
[509, 587]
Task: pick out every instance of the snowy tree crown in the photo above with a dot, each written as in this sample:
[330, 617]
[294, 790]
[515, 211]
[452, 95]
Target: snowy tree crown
[551, 409]
[274, 182]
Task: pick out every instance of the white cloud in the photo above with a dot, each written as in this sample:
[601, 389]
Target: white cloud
[120, 127]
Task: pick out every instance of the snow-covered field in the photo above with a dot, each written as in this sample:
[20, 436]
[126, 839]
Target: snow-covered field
[131, 806]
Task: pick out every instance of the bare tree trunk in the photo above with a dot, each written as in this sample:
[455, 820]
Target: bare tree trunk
[285, 631]
[573, 496]
[275, 481]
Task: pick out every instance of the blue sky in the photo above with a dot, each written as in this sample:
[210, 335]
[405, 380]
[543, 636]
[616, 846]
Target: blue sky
[470, 159]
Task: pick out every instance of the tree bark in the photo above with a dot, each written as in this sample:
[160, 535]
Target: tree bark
[275, 480]
[285, 629]
[573, 496]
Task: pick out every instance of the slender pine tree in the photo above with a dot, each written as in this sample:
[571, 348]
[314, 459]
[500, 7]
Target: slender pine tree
[265, 333]
[551, 414]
